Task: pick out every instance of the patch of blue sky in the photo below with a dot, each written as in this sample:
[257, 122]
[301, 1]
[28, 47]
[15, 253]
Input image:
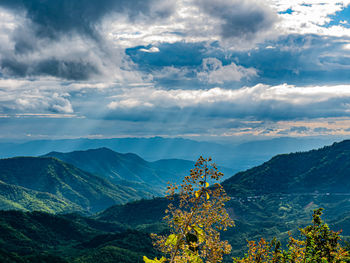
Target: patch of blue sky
[288, 11]
[340, 18]
[170, 54]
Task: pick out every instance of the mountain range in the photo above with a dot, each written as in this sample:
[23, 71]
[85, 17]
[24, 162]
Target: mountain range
[238, 156]
[86, 181]
[266, 201]
[129, 169]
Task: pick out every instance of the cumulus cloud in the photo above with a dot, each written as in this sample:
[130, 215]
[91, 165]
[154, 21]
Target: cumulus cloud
[42, 96]
[36, 101]
[214, 72]
[315, 17]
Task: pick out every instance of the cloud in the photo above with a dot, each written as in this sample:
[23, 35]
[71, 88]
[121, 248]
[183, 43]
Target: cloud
[64, 39]
[299, 129]
[316, 17]
[296, 59]
[112, 109]
[71, 58]
[34, 97]
[150, 50]
[214, 72]
[261, 102]
[52, 17]
[240, 20]
[322, 130]
[65, 69]
[132, 41]
[299, 59]
[38, 102]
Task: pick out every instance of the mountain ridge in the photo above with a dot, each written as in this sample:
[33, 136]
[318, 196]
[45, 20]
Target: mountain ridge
[325, 170]
[67, 183]
[237, 156]
[129, 168]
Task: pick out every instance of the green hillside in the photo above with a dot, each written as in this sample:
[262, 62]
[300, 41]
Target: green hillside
[326, 170]
[17, 197]
[130, 169]
[112, 165]
[41, 237]
[28, 182]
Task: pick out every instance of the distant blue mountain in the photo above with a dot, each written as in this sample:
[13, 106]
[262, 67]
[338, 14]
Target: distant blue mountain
[238, 157]
[130, 169]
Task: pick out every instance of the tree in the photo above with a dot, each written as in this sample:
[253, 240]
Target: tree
[319, 245]
[195, 218]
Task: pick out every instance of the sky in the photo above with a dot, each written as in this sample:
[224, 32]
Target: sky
[181, 68]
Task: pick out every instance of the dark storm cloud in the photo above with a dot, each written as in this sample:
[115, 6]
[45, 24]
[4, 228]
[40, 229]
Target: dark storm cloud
[71, 70]
[72, 26]
[299, 60]
[240, 19]
[61, 16]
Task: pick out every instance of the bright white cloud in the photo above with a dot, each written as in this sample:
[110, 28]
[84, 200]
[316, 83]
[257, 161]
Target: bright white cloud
[195, 21]
[215, 73]
[150, 50]
[40, 96]
[310, 17]
[254, 97]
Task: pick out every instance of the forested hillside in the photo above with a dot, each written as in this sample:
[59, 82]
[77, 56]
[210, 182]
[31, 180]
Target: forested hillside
[326, 170]
[40, 237]
[128, 169]
[48, 184]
